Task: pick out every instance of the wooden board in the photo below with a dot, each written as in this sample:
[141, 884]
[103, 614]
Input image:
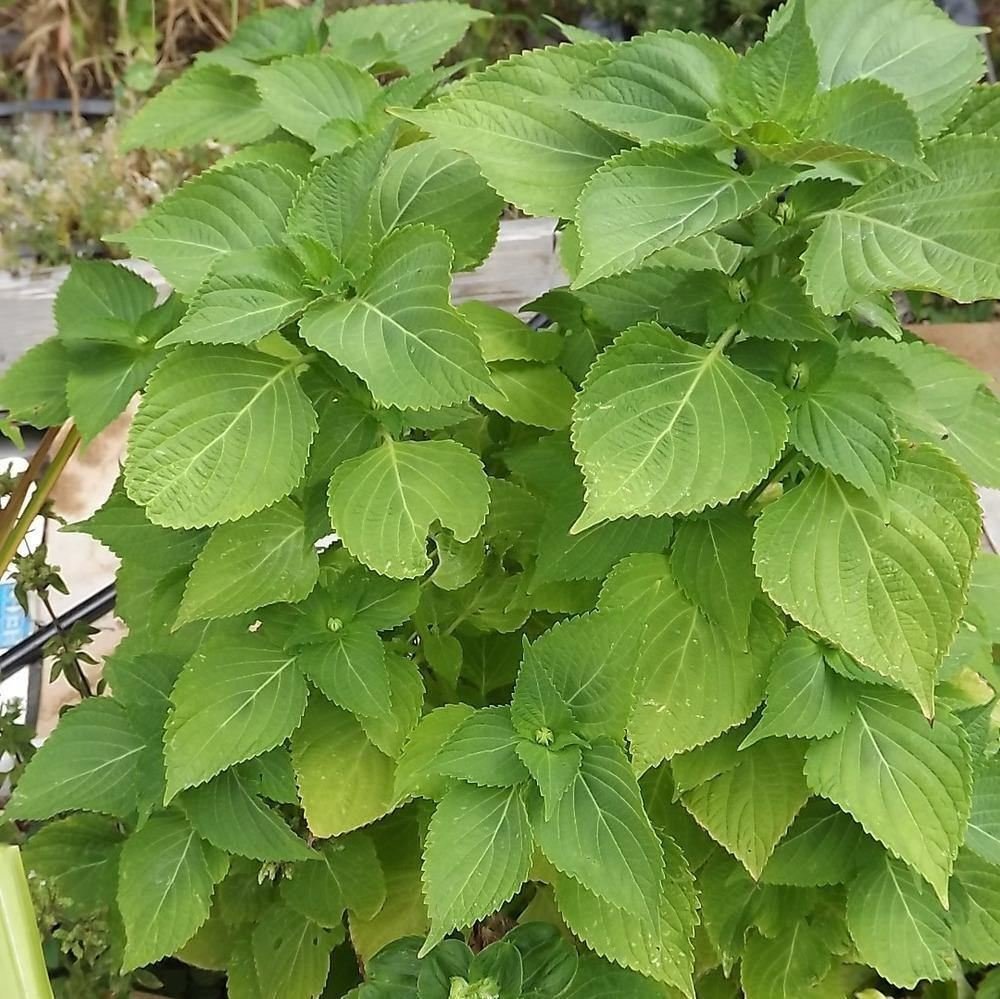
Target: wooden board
[977, 343]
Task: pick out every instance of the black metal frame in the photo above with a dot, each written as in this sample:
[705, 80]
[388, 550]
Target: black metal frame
[29, 651]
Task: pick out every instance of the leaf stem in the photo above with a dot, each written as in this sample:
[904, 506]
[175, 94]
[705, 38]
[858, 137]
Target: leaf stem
[76, 677]
[963, 990]
[465, 612]
[726, 337]
[11, 541]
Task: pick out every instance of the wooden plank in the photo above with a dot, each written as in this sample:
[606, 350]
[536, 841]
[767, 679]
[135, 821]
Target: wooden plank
[523, 265]
[977, 343]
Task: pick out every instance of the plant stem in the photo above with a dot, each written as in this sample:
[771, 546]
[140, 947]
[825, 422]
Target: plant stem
[11, 541]
[725, 339]
[15, 502]
[465, 612]
[963, 990]
[78, 681]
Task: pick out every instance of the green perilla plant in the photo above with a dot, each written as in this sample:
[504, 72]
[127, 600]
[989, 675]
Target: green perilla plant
[666, 625]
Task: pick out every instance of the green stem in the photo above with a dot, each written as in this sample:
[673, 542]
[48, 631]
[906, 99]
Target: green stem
[22, 966]
[15, 501]
[725, 339]
[12, 541]
[75, 675]
[963, 990]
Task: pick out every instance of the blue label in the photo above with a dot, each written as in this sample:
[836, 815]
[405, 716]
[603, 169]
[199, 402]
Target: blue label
[15, 625]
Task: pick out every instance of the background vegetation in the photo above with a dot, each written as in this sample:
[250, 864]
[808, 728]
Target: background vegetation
[63, 182]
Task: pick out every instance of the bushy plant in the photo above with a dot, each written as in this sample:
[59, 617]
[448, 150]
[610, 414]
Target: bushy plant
[664, 629]
[64, 187]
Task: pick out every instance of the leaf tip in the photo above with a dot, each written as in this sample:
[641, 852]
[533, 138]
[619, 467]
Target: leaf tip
[434, 937]
[925, 698]
[586, 520]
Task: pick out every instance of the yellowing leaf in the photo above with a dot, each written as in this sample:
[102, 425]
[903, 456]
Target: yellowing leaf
[359, 791]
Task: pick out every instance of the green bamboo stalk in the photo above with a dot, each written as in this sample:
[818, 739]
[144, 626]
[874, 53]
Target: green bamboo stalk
[22, 967]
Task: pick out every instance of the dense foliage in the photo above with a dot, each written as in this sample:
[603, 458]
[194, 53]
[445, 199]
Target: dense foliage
[665, 626]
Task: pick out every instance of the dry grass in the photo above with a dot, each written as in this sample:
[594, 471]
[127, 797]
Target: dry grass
[88, 48]
[82, 48]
